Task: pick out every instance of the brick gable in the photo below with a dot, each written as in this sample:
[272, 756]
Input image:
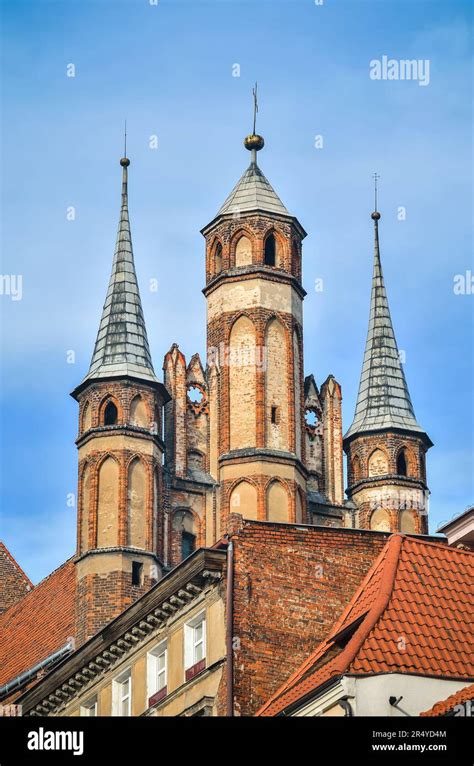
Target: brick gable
[14, 583]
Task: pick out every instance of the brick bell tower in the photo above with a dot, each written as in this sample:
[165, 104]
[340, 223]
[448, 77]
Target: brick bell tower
[119, 525]
[255, 352]
[385, 446]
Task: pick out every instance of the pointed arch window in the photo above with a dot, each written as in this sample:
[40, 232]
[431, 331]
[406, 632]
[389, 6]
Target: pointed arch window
[218, 258]
[270, 254]
[110, 414]
[402, 468]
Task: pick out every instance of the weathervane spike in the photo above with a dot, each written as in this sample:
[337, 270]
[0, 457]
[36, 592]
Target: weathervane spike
[255, 107]
[125, 162]
[254, 142]
[376, 178]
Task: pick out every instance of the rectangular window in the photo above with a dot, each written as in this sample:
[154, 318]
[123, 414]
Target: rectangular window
[195, 646]
[122, 694]
[188, 544]
[157, 673]
[137, 572]
[89, 708]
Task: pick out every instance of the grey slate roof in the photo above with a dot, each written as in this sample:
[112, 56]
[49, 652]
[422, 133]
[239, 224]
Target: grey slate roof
[253, 192]
[383, 400]
[122, 347]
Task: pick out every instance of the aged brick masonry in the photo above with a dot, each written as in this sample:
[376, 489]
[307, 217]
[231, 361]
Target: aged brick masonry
[245, 432]
[215, 546]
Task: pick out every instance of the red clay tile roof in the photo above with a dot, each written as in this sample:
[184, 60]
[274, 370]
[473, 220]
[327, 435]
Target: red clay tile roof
[447, 705]
[39, 624]
[14, 583]
[412, 613]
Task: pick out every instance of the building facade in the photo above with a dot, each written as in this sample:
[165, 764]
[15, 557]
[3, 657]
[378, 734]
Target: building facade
[219, 633]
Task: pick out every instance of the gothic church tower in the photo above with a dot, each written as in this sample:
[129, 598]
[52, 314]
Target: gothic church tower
[255, 352]
[119, 528]
[385, 446]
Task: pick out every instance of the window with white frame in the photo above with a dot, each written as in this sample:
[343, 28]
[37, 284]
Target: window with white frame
[157, 670]
[195, 642]
[122, 694]
[89, 708]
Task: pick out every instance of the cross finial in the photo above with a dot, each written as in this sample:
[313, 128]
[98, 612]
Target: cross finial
[254, 142]
[376, 178]
[255, 107]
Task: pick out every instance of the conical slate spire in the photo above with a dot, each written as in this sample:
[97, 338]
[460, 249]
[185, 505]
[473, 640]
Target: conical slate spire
[122, 347]
[253, 192]
[383, 401]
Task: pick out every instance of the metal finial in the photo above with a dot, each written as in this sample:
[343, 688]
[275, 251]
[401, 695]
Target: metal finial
[375, 214]
[376, 178]
[254, 142]
[125, 162]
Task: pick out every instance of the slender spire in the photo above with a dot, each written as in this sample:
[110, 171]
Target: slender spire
[122, 347]
[383, 401]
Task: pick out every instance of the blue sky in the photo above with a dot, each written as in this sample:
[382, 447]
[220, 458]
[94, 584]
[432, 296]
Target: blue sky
[169, 69]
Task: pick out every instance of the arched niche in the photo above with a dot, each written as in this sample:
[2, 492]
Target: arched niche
[136, 504]
[243, 252]
[277, 502]
[408, 522]
[86, 417]
[276, 387]
[217, 258]
[297, 392]
[355, 469]
[242, 384]
[243, 500]
[299, 508]
[380, 520]
[378, 463]
[108, 504]
[86, 506]
[139, 412]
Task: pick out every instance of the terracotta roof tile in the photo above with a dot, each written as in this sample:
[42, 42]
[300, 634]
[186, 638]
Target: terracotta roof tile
[39, 624]
[411, 614]
[447, 706]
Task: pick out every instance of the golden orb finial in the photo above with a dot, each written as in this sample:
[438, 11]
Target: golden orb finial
[125, 162]
[375, 215]
[254, 142]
